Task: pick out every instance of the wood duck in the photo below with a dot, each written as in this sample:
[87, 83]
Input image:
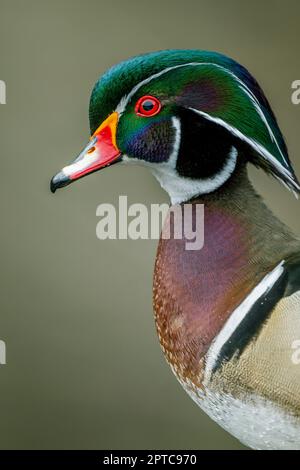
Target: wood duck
[228, 315]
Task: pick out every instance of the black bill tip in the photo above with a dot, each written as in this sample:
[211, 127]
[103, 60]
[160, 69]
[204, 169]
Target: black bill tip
[59, 181]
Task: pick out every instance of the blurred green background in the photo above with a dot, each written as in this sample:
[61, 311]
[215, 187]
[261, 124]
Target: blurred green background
[84, 367]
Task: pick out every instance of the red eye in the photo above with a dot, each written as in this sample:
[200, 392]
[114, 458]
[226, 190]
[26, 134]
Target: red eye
[147, 106]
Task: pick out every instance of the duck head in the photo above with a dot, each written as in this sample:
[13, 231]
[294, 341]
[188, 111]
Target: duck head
[192, 116]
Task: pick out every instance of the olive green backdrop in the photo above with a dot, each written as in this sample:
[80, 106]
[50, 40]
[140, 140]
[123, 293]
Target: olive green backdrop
[84, 367]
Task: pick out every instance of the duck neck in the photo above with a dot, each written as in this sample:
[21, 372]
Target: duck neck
[236, 215]
[196, 291]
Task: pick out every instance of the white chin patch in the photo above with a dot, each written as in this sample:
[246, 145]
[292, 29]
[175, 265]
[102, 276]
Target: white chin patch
[181, 189]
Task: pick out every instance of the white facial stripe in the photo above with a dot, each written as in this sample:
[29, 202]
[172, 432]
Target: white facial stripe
[177, 127]
[255, 145]
[264, 152]
[238, 316]
[252, 97]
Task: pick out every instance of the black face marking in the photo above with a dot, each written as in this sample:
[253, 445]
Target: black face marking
[204, 146]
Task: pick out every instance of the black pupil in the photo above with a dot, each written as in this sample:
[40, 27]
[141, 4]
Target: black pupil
[148, 105]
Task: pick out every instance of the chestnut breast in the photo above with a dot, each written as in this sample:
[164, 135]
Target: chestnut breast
[195, 291]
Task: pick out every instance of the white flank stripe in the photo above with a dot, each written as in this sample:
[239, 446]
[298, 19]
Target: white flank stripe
[238, 316]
